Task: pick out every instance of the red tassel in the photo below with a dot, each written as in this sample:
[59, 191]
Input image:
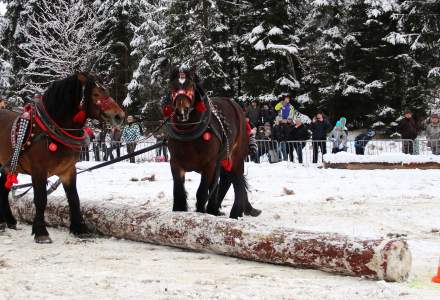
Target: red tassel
[207, 136]
[80, 117]
[53, 147]
[11, 179]
[167, 111]
[200, 106]
[226, 164]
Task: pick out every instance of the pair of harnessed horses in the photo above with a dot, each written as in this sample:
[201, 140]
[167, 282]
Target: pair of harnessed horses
[206, 136]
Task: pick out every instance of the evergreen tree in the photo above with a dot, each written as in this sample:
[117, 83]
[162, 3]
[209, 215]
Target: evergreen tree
[118, 20]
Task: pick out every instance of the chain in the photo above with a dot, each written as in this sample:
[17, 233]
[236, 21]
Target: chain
[22, 127]
[218, 117]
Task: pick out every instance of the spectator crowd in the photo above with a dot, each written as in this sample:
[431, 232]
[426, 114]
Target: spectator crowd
[280, 130]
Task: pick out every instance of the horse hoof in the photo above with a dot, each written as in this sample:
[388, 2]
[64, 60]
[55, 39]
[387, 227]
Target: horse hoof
[13, 226]
[253, 213]
[2, 227]
[44, 239]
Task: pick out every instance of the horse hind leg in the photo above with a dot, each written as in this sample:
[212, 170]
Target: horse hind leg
[208, 187]
[215, 203]
[240, 190]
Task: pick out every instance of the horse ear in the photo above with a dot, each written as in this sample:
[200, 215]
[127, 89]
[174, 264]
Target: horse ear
[82, 78]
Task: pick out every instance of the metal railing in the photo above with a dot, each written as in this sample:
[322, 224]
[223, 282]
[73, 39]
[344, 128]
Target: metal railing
[304, 152]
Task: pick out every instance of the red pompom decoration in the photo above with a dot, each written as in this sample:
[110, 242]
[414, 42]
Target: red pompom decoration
[80, 117]
[167, 111]
[200, 106]
[207, 136]
[11, 179]
[53, 147]
[226, 164]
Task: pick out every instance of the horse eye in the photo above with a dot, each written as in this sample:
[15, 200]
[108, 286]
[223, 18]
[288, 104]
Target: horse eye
[95, 95]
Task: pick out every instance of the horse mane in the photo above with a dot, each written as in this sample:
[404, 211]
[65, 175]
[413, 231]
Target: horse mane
[63, 97]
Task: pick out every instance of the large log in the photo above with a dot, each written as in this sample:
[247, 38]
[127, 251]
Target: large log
[381, 165]
[381, 259]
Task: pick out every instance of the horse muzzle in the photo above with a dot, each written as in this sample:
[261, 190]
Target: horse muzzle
[182, 114]
[111, 112]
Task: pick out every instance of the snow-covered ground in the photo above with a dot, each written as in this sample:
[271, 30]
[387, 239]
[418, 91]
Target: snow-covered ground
[360, 203]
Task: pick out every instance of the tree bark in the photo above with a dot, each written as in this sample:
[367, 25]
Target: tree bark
[381, 259]
[381, 165]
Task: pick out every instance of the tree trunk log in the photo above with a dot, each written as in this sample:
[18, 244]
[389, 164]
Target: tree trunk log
[381, 165]
[381, 259]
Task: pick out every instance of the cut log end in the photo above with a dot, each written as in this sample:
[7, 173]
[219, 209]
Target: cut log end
[392, 261]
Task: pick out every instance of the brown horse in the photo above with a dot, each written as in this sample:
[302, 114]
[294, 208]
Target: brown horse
[207, 136]
[53, 145]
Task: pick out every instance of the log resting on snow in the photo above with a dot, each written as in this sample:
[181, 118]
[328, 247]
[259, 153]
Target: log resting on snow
[381, 259]
[381, 165]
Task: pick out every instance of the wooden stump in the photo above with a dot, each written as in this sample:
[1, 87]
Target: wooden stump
[381, 165]
[381, 259]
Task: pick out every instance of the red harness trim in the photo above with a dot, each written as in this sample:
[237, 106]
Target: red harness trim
[189, 93]
[78, 138]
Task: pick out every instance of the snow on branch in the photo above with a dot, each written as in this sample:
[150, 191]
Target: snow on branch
[61, 39]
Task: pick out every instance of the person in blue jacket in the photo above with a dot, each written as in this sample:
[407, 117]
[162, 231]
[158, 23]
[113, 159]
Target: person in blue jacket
[361, 141]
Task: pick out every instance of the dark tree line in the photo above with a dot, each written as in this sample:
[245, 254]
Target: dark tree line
[363, 59]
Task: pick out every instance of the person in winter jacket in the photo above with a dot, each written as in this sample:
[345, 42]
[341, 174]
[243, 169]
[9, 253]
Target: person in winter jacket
[130, 134]
[116, 140]
[280, 135]
[343, 121]
[299, 135]
[267, 114]
[408, 130]
[253, 113]
[85, 155]
[320, 127]
[108, 143]
[433, 134]
[285, 109]
[361, 141]
[339, 138]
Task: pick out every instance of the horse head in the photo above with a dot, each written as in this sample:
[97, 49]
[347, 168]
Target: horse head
[184, 95]
[96, 101]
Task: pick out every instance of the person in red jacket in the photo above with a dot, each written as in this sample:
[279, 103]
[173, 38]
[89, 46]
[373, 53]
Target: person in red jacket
[85, 150]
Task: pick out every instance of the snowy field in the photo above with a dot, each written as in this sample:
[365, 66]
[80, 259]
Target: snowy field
[358, 203]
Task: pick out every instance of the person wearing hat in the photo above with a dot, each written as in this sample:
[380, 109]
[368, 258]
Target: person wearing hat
[433, 134]
[339, 138]
[408, 130]
[361, 141]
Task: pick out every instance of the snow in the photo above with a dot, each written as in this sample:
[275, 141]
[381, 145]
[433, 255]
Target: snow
[434, 72]
[358, 203]
[2, 8]
[260, 46]
[345, 157]
[275, 31]
[258, 30]
[304, 98]
[395, 38]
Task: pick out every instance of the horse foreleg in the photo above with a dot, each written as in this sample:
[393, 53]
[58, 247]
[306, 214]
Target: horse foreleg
[77, 225]
[39, 181]
[179, 193]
